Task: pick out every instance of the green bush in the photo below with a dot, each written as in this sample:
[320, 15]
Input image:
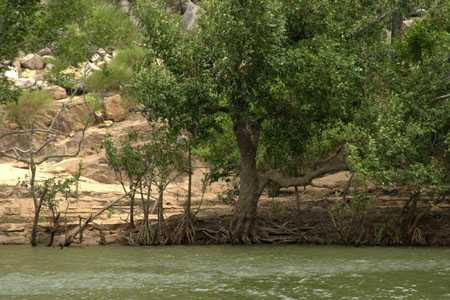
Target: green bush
[73, 45]
[28, 107]
[116, 76]
[104, 26]
[7, 93]
[94, 102]
[109, 27]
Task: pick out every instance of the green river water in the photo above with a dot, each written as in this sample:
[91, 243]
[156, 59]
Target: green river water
[224, 272]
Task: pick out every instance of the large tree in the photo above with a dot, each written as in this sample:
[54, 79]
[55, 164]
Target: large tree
[250, 69]
[295, 82]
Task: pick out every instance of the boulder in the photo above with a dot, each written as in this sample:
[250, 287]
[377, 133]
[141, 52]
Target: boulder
[33, 62]
[106, 124]
[57, 92]
[74, 117]
[114, 109]
[42, 84]
[32, 74]
[25, 83]
[12, 74]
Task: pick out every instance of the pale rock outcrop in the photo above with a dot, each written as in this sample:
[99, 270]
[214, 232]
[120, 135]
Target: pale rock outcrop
[25, 83]
[57, 92]
[74, 117]
[36, 75]
[33, 62]
[12, 74]
[114, 109]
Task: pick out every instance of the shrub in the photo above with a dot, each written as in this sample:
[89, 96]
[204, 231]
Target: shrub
[26, 110]
[7, 93]
[116, 76]
[94, 102]
[109, 27]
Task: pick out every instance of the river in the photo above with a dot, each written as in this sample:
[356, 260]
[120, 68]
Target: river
[224, 272]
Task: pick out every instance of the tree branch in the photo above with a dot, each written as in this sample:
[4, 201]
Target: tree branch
[80, 143]
[286, 181]
[68, 241]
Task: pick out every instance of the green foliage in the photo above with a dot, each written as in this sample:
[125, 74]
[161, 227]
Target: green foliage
[313, 77]
[157, 160]
[117, 76]
[109, 27]
[7, 92]
[220, 150]
[104, 26]
[407, 142]
[55, 18]
[73, 45]
[26, 111]
[16, 20]
[162, 32]
[94, 101]
[51, 187]
[127, 159]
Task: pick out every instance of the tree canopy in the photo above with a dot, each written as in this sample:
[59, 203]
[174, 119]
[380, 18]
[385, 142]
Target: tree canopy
[276, 92]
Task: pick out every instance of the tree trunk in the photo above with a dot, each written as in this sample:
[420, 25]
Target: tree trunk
[245, 214]
[34, 230]
[190, 173]
[396, 28]
[37, 202]
[160, 230]
[397, 19]
[132, 196]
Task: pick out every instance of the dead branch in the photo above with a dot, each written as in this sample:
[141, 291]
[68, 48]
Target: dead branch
[285, 181]
[69, 240]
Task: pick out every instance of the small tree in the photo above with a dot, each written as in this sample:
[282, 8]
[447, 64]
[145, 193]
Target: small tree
[51, 189]
[37, 146]
[129, 167]
[148, 167]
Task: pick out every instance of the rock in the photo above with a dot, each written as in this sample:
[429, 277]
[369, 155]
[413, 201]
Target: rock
[33, 62]
[106, 124]
[17, 66]
[114, 109]
[12, 74]
[409, 23]
[75, 115]
[10, 125]
[45, 51]
[33, 74]
[25, 83]
[49, 67]
[190, 16]
[102, 52]
[108, 58]
[57, 92]
[96, 58]
[98, 116]
[21, 165]
[42, 84]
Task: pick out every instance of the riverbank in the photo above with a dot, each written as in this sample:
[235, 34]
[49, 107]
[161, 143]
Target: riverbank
[322, 213]
[317, 216]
